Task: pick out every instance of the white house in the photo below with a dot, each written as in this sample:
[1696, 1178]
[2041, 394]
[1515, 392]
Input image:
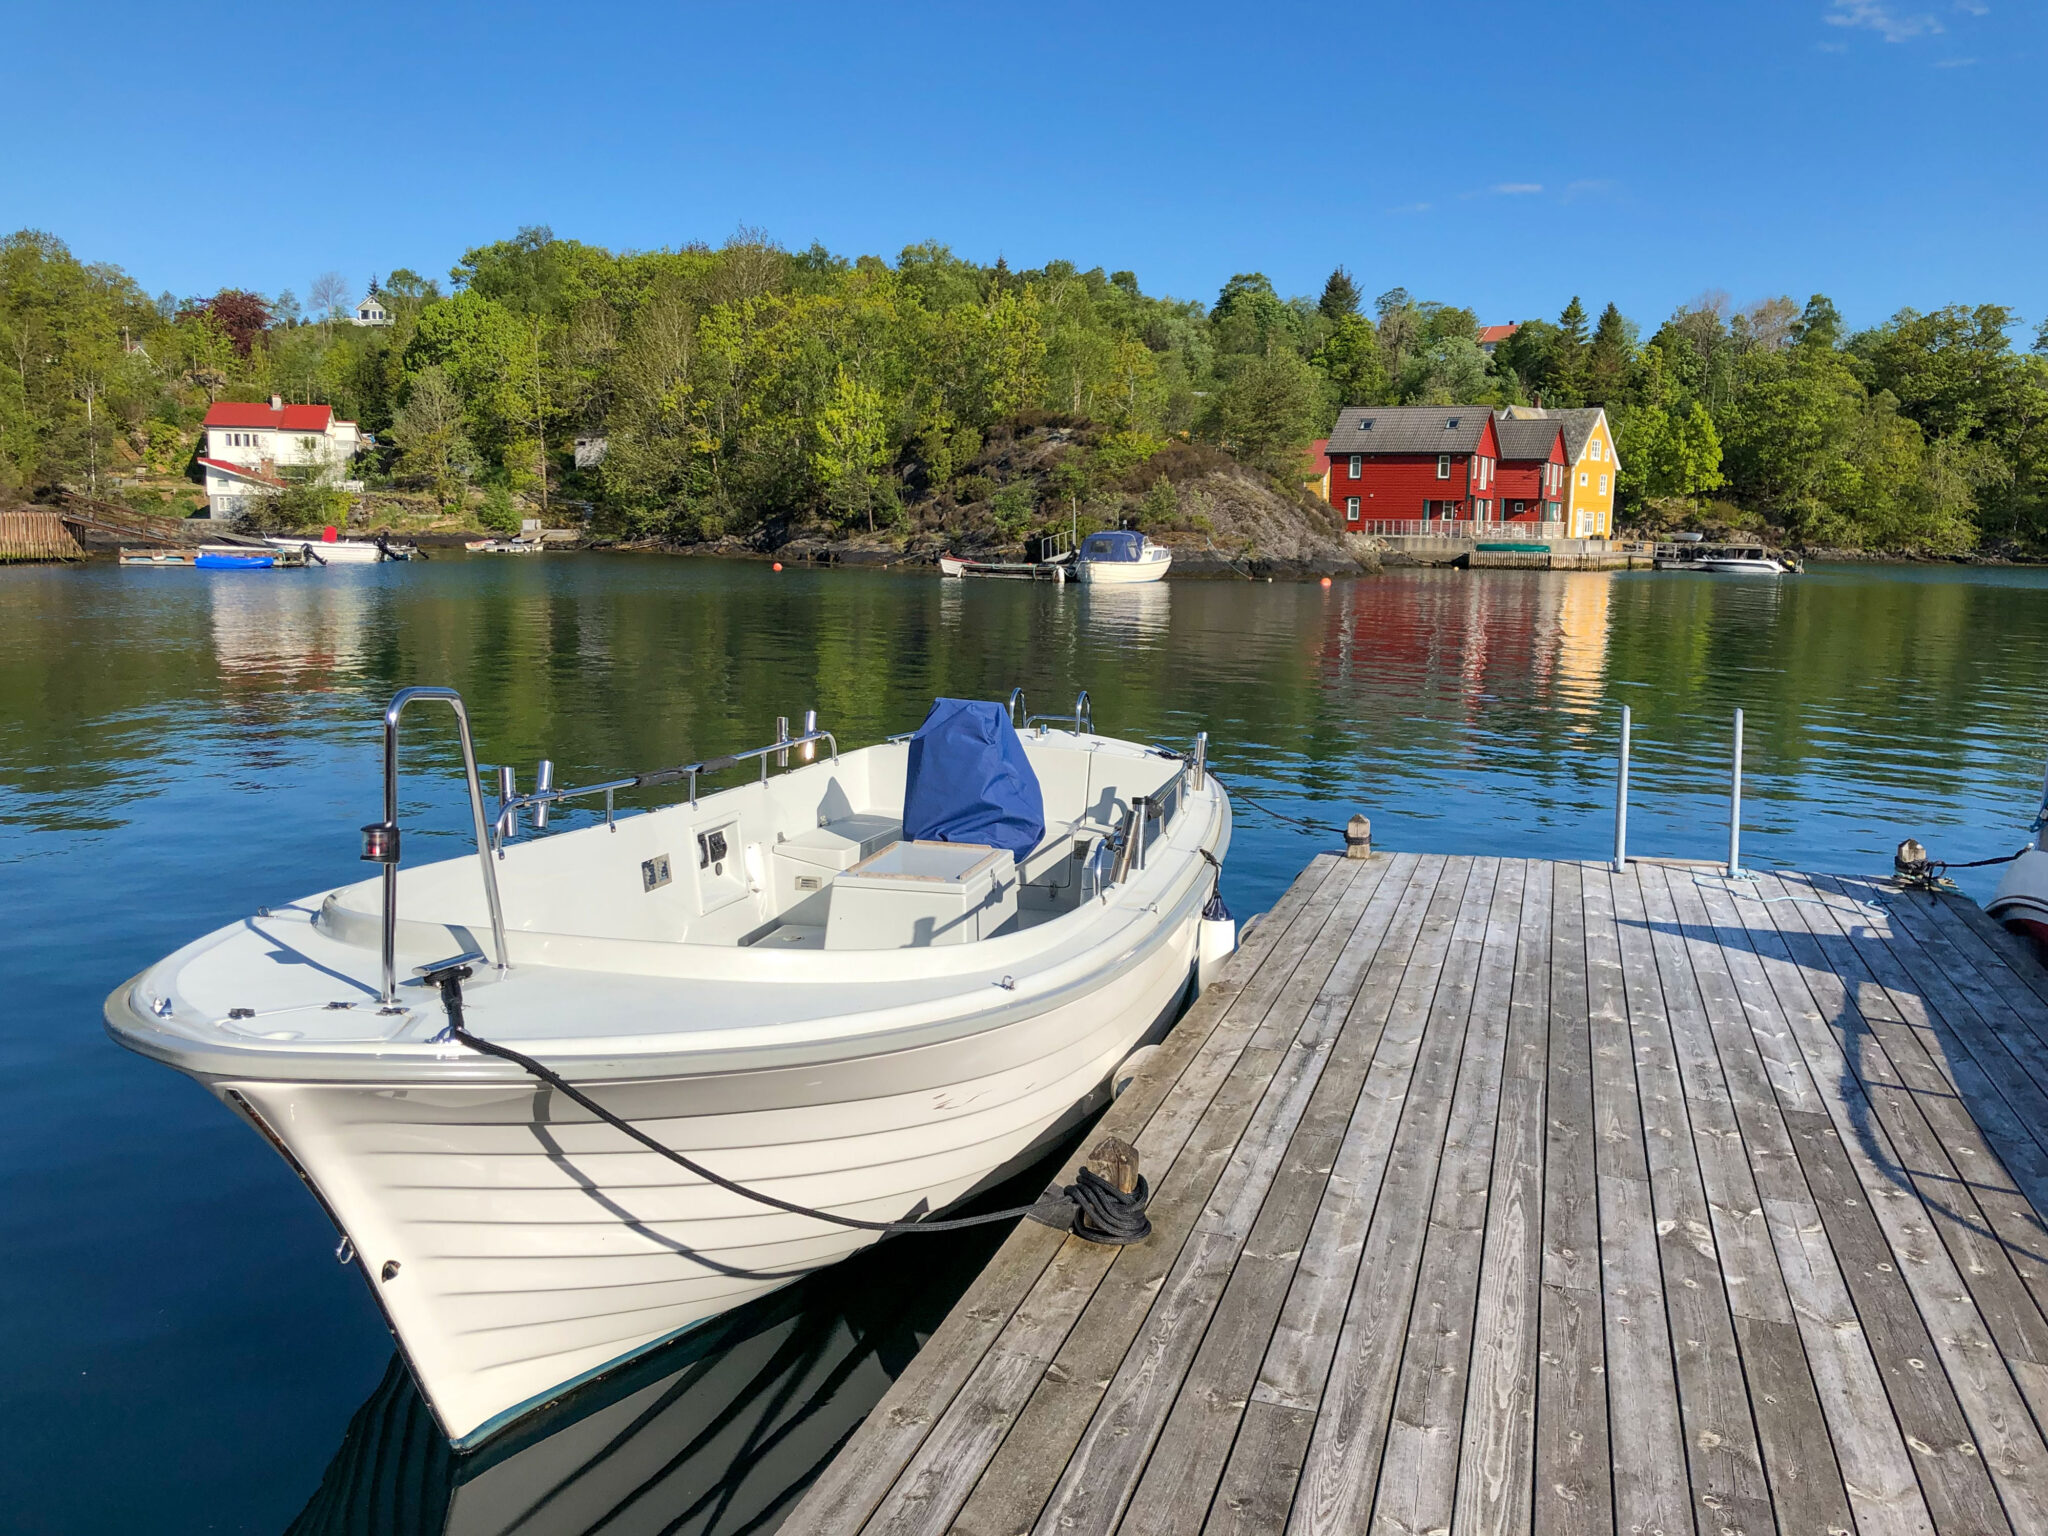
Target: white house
[371, 312]
[250, 446]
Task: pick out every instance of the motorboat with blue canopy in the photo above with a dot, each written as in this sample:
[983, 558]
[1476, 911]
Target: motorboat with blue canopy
[853, 987]
[1121, 556]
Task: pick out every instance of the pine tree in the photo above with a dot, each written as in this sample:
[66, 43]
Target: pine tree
[1608, 356]
[1819, 325]
[1340, 296]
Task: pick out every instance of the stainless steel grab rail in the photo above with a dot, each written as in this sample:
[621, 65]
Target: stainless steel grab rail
[1082, 719]
[511, 806]
[381, 841]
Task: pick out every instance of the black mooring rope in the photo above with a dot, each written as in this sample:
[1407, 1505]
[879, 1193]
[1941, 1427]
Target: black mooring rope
[1090, 1207]
[1930, 874]
[1306, 825]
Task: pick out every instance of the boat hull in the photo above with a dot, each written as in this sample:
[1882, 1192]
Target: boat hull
[2021, 900]
[1121, 573]
[519, 1247]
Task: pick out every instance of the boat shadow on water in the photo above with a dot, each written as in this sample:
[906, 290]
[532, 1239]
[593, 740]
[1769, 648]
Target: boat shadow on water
[719, 1432]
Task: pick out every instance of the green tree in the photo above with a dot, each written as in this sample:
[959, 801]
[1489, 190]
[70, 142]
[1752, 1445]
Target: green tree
[1267, 409]
[1608, 356]
[1340, 298]
[1349, 361]
[433, 450]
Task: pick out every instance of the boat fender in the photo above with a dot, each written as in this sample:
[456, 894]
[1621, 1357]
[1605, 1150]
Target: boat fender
[1091, 1207]
[1216, 936]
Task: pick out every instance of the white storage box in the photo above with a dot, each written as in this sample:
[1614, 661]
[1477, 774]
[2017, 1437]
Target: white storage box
[913, 894]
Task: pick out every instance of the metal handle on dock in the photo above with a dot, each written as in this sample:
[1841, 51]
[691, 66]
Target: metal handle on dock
[1735, 804]
[378, 848]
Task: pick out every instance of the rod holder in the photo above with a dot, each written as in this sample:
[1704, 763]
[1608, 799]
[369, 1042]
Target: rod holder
[808, 752]
[543, 781]
[1621, 797]
[782, 735]
[1200, 766]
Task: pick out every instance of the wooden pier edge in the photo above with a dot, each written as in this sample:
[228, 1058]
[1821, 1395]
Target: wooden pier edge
[1503, 1195]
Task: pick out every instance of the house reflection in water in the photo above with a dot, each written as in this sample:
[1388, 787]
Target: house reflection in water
[1450, 644]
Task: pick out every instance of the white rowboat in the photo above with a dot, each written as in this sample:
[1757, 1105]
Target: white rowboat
[765, 978]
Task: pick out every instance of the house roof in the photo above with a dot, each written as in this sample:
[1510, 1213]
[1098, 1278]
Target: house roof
[1577, 423]
[240, 471]
[1490, 334]
[1526, 438]
[1409, 429]
[256, 413]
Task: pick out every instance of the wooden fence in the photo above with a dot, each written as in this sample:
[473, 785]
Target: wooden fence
[36, 536]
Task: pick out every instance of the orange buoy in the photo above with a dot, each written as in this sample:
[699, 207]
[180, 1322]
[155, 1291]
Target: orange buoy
[1326, 581]
[778, 565]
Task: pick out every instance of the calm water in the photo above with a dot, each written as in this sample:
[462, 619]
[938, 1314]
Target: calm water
[176, 748]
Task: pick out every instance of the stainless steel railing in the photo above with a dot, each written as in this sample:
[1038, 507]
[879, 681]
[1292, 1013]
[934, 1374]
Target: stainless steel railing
[1081, 721]
[511, 806]
[381, 839]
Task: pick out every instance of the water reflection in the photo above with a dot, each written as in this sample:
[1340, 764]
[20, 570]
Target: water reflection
[1134, 614]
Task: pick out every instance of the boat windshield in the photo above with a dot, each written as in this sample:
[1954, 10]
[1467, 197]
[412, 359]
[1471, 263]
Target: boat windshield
[1113, 546]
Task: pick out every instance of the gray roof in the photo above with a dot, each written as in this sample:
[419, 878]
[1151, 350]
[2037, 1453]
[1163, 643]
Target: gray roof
[1577, 424]
[1408, 429]
[1525, 438]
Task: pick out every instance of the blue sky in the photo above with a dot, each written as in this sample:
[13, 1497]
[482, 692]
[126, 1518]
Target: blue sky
[1887, 152]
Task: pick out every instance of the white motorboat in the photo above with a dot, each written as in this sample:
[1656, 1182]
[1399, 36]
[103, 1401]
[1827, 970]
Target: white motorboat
[344, 551]
[1121, 556]
[505, 546]
[771, 979]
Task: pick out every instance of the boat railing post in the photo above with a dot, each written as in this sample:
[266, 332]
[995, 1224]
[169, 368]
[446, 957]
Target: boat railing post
[1621, 798]
[381, 842]
[1141, 806]
[1735, 803]
[782, 735]
[809, 751]
[1201, 759]
[1019, 713]
[1084, 713]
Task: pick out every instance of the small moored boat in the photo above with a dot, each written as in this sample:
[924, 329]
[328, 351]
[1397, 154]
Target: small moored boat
[1121, 556]
[864, 988]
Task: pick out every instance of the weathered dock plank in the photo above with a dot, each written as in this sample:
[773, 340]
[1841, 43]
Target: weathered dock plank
[1497, 1195]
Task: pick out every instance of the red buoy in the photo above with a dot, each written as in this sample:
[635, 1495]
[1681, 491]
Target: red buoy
[778, 565]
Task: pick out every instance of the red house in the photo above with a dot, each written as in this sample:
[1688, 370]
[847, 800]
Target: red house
[1533, 466]
[1413, 464]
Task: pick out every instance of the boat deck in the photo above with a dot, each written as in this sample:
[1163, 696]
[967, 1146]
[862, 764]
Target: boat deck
[1499, 1195]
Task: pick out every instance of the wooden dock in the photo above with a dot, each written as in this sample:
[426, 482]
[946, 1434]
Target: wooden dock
[1495, 1195]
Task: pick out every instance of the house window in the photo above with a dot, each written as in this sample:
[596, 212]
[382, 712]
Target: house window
[1603, 485]
[1443, 466]
[1520, 508]
[1593, 451]
[1357, 465]
[1584, 478]
[1350, 509]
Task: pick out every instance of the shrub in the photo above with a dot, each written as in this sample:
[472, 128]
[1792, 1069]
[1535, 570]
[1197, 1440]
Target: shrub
[969, 488]
[1012, 508]
[497, 512]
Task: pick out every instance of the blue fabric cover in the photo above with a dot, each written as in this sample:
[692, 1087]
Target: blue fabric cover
[1118, 545]
[969, 781]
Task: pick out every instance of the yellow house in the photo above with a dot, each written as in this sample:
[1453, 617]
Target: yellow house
[1590, 483]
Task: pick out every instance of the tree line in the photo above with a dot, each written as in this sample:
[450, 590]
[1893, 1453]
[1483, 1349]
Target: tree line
[744, 384]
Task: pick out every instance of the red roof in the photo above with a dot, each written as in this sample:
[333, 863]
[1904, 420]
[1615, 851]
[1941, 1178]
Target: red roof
[254, 413]
[242, 469]
[1489, 334]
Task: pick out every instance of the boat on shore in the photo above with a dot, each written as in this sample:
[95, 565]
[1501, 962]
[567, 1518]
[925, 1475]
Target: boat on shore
[1121, 556]
[505, 546]
[862, 989]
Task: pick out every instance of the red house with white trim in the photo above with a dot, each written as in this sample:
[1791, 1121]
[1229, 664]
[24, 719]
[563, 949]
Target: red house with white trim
[1413, 464]
[1533, 465]
[253, 449]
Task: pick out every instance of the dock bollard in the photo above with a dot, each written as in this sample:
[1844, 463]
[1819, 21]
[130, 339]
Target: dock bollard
[1358, 838]
[1116, 1163]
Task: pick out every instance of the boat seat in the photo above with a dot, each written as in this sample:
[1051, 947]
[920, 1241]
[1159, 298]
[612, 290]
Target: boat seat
[842, 842]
